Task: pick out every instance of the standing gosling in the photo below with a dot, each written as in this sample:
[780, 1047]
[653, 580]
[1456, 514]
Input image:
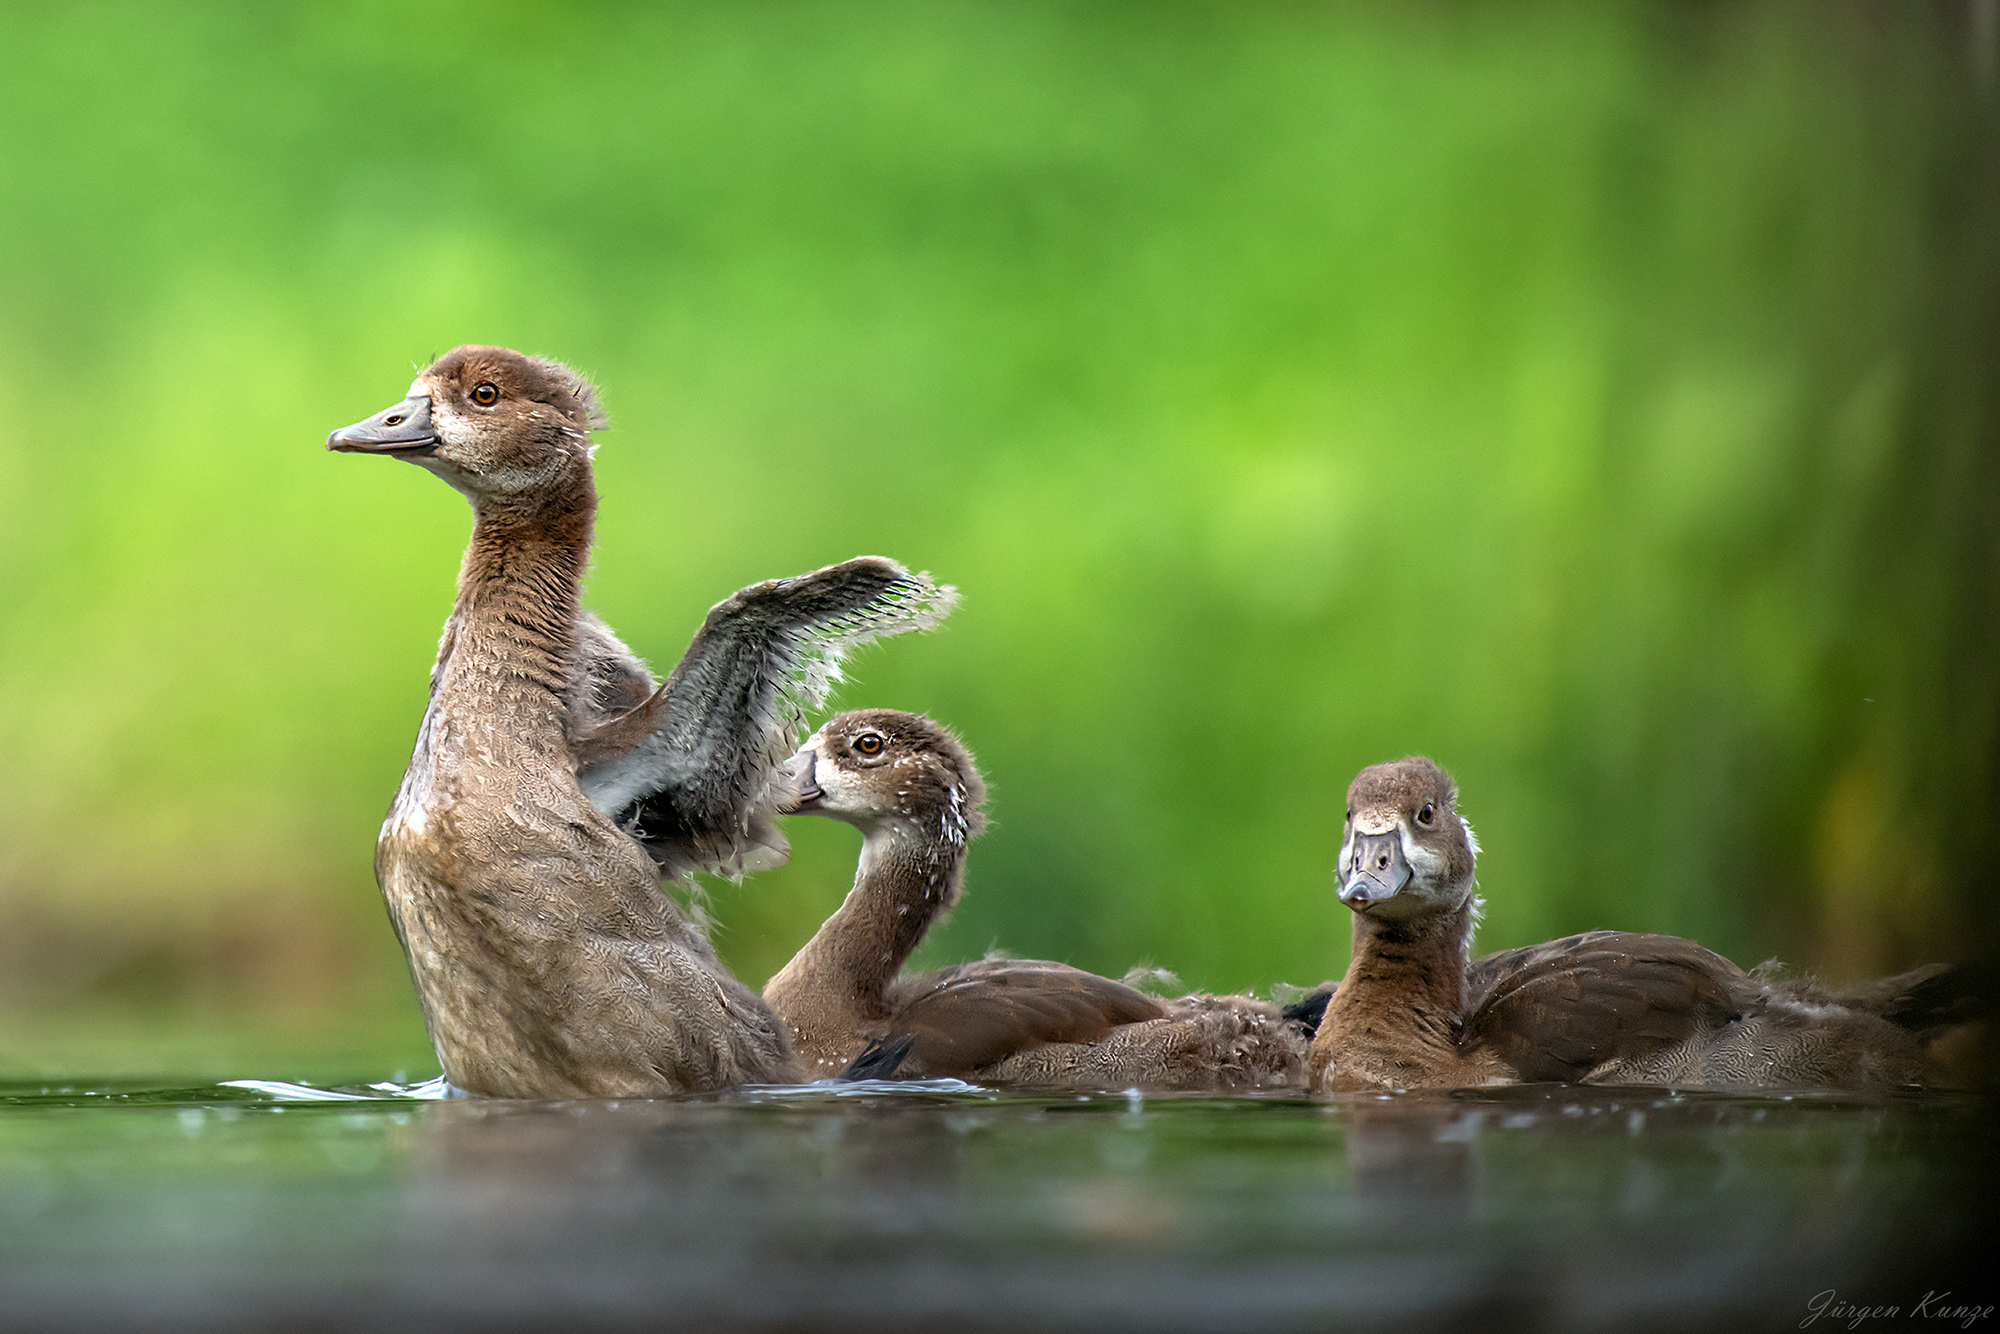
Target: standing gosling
[547, 961]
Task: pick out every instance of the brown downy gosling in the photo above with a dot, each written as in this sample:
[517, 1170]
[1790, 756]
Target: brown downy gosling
[547, 961]
[1604, 1007]
[911, 788]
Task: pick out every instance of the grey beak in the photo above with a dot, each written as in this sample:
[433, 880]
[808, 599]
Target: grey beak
[805, 791]
[404, 430]
[1377, 871]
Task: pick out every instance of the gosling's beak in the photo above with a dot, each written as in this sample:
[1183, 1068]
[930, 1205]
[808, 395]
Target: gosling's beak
[1377, 871]
[805, 792]
[404, 431]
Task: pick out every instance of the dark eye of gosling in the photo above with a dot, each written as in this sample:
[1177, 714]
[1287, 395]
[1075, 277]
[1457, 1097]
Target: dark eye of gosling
[1424, 815]
[868, 743]
[486, 395]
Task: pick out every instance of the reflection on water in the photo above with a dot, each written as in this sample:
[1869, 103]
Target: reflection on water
[879, 1206]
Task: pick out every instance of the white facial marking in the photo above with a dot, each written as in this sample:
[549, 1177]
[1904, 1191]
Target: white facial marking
[1375, 822]
[450, 427]
[1425, 866]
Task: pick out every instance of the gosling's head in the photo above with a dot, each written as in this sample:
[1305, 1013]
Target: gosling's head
[884, 769]
[495, 423]
[1404, 851]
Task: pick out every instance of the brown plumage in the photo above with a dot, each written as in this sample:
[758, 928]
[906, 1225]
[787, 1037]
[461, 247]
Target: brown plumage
[546, 959]
[912, 789]
[1604, 1007]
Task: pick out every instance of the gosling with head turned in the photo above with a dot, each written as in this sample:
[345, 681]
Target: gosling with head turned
[911, 787]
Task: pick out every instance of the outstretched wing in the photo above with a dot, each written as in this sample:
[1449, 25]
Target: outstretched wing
[692, 771]
[970, 1015]
[1559, 1010]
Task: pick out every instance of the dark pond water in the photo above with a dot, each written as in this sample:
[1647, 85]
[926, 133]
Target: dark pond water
[943, 1206]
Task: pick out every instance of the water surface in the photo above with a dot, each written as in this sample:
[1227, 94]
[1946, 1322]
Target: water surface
[263, 1204]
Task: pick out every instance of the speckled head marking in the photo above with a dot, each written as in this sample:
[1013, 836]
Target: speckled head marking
[1404, 851]
[493, 422]
[878, 767]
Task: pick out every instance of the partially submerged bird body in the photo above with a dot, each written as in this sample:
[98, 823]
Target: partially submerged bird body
[547, 961]
[1199, 1042]
[1603, 1007]
[912, 789]
[1616, 1007]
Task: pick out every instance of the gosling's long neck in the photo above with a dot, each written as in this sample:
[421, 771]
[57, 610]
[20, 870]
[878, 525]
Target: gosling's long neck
[910, 871]
[1394, 1018]
[508, 645]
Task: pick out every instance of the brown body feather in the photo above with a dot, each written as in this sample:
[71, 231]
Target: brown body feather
[969, 1016]
[1562, 1010]
[1199, 1043]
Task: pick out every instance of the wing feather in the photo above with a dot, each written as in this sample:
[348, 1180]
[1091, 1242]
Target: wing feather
[970, 1015]
[1559, 1010]
[693, 770]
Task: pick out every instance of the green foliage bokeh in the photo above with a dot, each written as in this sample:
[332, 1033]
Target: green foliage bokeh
[1596, 398]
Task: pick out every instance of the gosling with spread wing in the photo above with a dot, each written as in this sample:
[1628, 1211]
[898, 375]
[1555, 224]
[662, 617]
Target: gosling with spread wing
[515, 858]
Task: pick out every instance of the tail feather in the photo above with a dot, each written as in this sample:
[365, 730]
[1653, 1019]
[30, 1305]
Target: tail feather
[1308, 1010]
[1941, 995]
[880, 1059]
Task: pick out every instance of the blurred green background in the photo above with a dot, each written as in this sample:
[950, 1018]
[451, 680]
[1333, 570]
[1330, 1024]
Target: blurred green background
[1598, 398]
